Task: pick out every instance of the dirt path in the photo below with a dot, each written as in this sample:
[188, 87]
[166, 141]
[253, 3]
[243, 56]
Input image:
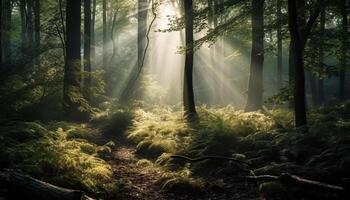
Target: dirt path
[140, 181]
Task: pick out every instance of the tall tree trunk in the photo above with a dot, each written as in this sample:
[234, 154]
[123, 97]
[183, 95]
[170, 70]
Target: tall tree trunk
[30, 23]
[279, 43]
[6, 30]
[300, 20]
[344, 48]
[320, 95]
[298, 63]
[37, 24]
[1, 29]
[72, 74]
[24, 38]
[87, 41]
[141, 30]
[104, 33]
[188, 94]
[93, 48]
[255, 87]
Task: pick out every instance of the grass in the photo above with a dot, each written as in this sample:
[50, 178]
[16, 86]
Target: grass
[60, 153]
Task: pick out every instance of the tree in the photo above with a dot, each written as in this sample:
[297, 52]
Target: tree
[279, 42]
[298, 63]
[37, 24]
[87, 41]
[104, 33]
[6, 18]
[72, 73]
[93, 50]
[299, 33]
[255, 88]
[188, 94]
[141, 30]
[344, 48]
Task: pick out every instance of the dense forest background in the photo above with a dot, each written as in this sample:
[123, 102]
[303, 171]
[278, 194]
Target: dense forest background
[126, 99]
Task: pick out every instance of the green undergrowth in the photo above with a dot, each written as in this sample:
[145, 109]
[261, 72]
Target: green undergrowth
[61, 153]
[266, 140]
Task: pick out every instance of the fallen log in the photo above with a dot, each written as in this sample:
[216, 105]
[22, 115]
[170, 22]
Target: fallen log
[20, 186]
[210, 158]
[288, 179]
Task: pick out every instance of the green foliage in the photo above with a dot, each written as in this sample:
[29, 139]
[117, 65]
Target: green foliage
[48, 152]
[114, 122]
[257, 138]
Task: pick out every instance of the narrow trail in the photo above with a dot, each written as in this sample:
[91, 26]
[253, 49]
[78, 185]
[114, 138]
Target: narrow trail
[141, 181]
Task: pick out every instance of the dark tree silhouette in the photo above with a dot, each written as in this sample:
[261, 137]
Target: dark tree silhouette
[279, 43]
[72, 74]
[255, 88]
[188, 94]
[87, 40]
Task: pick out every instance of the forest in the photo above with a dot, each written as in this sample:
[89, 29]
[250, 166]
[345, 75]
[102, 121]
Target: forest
[174, 99]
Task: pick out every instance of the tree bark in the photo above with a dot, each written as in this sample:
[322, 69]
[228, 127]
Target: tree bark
[344, 48]
[30, 23]
[255, 88]
[6, 30]
[72, 74]
[87, 41]
[141, 30]
[298, 63]
[188, 93]
[24, 39]
[279, 44]
[37, 24]
[93, 50]
[104, 33]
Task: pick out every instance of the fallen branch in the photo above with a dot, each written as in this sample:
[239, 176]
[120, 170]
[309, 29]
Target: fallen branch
[210, 157]
[21, 186]
[288, 179]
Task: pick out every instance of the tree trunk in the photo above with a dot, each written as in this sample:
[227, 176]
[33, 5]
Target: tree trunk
[298, 63]
[300, 20]
[93, 50]
[141, 30]
[72, 74]
[344, 51]
[188, 94]
[21, 186]
[24, 39]
[320, 92]
[104, 33]
[255, 88]
[279, 44]
[37, 24]
[6, 31]
[1, 19]
[87, 41]
[30, 23]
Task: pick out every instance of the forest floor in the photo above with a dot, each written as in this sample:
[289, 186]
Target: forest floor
[128, 154]
[143, 182]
